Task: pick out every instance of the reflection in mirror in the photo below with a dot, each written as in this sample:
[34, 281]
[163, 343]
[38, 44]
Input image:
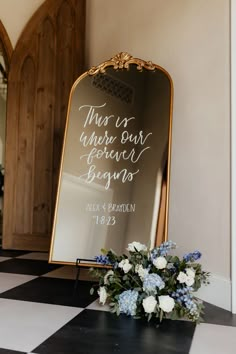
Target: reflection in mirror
[114, 180]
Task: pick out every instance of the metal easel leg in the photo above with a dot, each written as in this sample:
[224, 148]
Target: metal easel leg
[77, 276]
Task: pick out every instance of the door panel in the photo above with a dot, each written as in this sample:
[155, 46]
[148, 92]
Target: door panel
[24, 149]
[48, 58]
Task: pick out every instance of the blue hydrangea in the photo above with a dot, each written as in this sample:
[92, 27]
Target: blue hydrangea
[191, 257]
[184, 297]
[128, 302]
[151, 282]
[102, 259]
[192, 307]
[182, 294]
[163, 249]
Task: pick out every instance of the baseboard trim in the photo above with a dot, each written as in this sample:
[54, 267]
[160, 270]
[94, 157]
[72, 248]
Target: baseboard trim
[217, 293]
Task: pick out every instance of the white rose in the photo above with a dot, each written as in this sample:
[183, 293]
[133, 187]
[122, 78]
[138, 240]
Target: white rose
[182, 277]
[189, 281]
[125, 265]
[160, 262]
[107, 275]
[102, 295]
[166, 303]
[141, 271]
[122, 263]
[149, 304]
[136, 246]
[190, 272]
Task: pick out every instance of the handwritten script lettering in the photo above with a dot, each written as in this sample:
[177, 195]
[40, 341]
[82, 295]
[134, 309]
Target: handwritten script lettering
[93, 117]
[125, 146]
[124, 175]
[132, 155]
[95, 140]
[140, 138]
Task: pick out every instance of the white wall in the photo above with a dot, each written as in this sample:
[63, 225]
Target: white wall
[15, 14]
[190, 39]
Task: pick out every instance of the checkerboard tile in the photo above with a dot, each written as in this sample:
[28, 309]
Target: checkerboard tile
[37, 256]
[69, 272]
[52, 291]
[2, 259]
[214, 339]
[9, 281]
[41, 313]
[64, 272]
[31, 323]
[7, 351]
[102, 332]
[95, 305]
[26, 266]
[12, 253]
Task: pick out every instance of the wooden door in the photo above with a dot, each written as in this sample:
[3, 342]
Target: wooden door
[48, 57]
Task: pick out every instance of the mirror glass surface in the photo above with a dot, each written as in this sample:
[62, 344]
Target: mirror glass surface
[115, 162]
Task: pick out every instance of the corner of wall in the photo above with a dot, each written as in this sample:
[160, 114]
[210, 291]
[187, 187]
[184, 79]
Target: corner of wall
[218, 293]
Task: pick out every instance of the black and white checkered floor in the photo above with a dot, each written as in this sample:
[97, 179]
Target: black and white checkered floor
[40, 314]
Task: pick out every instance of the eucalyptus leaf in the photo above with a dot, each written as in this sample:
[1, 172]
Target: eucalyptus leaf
[138, 289]
[174, 259]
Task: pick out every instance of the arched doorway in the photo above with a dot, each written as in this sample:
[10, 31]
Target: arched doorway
[47, 59]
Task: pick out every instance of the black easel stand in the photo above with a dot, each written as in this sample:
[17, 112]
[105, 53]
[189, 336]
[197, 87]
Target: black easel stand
[78, 266]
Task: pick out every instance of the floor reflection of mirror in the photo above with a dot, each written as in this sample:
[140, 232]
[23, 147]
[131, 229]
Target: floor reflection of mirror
[40, 315]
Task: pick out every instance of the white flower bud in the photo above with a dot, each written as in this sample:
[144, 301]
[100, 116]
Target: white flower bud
[102, 295]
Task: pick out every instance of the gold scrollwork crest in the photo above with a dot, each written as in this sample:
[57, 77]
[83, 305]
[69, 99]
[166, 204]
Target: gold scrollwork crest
[122, 61]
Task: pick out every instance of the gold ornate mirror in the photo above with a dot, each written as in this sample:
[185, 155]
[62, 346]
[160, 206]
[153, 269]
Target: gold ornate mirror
[115, 169]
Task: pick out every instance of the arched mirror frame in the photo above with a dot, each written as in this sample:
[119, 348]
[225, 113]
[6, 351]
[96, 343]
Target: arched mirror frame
[121, 61]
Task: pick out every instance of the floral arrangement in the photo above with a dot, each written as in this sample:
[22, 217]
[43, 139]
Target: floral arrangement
[151, 283]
